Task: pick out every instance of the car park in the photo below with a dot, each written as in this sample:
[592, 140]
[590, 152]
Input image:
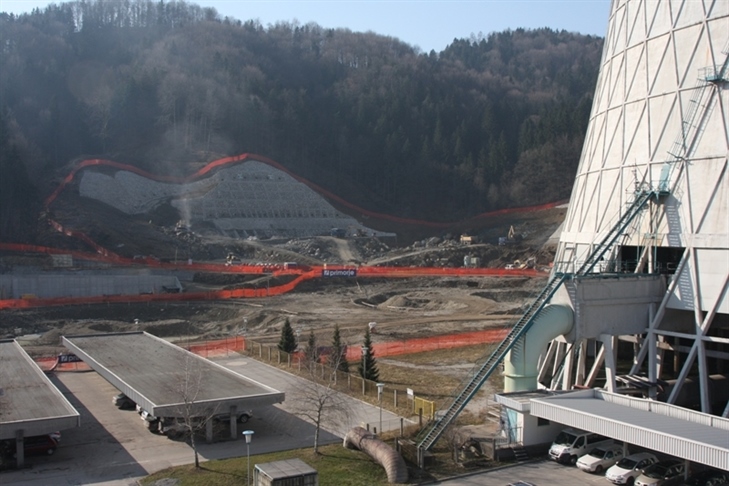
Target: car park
[630, 467]
[600, 458]
[661, 473]
[123, 402]
[707, 477]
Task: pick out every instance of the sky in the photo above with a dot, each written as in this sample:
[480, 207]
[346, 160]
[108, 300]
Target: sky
[427, 24]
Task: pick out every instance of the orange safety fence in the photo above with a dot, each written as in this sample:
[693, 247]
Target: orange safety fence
[419, 345]
[219, 348]
[302, 272]
[269, 291]
[242, 158]
[212, 166]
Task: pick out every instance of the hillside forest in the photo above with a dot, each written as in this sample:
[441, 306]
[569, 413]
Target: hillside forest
[490, 122]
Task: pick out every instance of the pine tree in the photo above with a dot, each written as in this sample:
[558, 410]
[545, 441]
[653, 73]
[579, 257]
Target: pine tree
[287, 343]
[368, 367]
[338, 357]
[311, 353]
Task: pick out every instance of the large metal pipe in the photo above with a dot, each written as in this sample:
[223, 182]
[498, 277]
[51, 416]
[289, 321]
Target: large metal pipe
[521, 363]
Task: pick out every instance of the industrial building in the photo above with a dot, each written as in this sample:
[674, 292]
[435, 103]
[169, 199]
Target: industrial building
[630, 337]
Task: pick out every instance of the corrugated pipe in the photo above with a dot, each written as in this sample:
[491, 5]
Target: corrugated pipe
[383, 454]
[521, 363]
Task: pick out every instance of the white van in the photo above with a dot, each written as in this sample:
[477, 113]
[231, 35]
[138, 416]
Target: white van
[570, 444]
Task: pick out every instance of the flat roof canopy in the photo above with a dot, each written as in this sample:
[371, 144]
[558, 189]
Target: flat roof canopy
[166, 380]
[29, 401]
[677, 431]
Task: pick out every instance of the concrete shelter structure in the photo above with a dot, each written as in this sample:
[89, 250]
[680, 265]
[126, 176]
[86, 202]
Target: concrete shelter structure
[169, 381]
[30, 404]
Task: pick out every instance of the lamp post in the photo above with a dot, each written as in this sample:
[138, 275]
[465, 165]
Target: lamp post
[364, 370]
[248, 435]
[380, 386]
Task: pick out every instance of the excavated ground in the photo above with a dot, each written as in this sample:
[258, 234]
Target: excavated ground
[402, 308]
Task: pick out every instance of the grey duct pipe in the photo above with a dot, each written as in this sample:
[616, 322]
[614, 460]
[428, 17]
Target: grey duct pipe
[383, 454]
[521, 362]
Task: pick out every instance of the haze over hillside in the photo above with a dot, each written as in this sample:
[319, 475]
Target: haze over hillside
[485, 124]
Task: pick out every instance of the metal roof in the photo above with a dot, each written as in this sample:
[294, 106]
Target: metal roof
[165, 379]
[658, 426]
[289, 468]
[29, 401]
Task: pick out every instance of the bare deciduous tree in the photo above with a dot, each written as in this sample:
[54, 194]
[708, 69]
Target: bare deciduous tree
[317, 400]
[192, 417]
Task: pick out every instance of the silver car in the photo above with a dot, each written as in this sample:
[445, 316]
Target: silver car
[661, 473]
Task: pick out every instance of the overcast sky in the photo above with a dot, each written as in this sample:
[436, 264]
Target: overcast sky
[430, 25]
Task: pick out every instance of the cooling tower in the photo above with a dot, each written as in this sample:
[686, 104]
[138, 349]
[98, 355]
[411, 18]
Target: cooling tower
[652, 313]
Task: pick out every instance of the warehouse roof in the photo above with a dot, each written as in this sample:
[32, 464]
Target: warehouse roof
[167, 380]
[28, 400]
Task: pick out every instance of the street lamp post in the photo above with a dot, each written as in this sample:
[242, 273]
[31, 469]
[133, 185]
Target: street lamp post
[380, 386]
[248, 435]
[364, 369]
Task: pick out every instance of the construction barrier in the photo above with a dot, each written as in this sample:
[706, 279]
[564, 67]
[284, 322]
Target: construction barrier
[236, 159]
[434, 343]
[299, 273]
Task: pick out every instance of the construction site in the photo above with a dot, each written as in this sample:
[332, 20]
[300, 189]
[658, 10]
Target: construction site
[610, 314]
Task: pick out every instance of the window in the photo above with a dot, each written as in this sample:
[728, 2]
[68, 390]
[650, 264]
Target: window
[542, 422]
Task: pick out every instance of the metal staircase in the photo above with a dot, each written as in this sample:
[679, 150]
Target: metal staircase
[430, 435]
[695, 119]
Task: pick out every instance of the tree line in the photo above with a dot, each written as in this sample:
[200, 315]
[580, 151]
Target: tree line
[490, 122]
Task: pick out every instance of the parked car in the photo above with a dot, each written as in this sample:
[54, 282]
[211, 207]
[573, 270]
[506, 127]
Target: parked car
[570, 444]
[707, 477]
[33, 445]
[243, 417]
[630, 467]
[665, 472]
[151, 421]
[123, 402]
[600, 458]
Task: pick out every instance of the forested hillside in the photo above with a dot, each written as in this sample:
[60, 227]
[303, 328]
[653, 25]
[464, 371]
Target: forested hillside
[487, 123]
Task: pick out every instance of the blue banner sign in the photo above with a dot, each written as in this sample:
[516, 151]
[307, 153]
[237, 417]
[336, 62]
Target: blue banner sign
[340, 272]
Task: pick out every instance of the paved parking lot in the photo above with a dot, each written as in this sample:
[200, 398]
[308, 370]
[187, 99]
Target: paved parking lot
[540, 473]
[112, 447]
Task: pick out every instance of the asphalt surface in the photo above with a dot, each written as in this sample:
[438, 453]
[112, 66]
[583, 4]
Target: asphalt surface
[539, 473]
[112, 447]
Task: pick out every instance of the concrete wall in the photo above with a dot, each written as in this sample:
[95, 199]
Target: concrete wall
[65, 285]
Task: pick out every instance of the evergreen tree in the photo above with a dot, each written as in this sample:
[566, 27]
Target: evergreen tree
[339, 352]
[311, 353]
[368, 367]
[288, 340]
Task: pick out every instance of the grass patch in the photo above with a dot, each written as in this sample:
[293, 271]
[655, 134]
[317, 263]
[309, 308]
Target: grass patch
[335, 465]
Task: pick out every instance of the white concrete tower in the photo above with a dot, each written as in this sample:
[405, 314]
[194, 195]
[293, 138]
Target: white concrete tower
[659, 124]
